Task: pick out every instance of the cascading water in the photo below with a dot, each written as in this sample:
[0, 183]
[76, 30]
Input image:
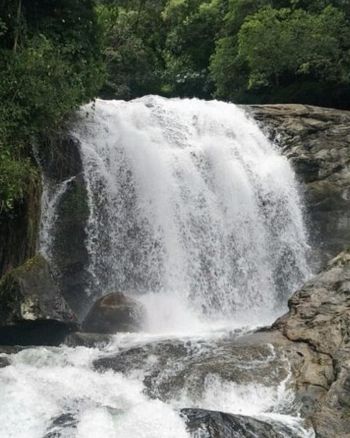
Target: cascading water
[196, 213]
[189, 200]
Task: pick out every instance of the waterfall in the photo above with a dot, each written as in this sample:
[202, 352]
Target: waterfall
[190, 201]
[197, 214]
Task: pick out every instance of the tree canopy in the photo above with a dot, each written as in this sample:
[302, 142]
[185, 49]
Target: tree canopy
[240, 50]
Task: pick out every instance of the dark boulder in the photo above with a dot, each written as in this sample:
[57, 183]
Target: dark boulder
[32, 309]
[114, 313]
[4, 362]
[213, 424]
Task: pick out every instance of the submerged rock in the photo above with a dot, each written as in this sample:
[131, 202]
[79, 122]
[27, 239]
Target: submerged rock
[89, 340]
[62, 425]
[4, 362]
[32, 309]
[114, 313]
[212, 424]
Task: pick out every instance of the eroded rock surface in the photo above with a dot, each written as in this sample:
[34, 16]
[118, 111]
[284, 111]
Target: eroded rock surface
[317, 142]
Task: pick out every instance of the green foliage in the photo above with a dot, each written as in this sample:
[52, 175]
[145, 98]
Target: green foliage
[190, 41]
[132, 38]
[271, 49]
[241, 50]
[50, 63]
[297, 41]
[14, 176]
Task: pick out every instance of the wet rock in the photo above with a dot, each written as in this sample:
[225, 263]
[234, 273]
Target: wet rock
[89, 340]
[4, 362]
[63, 425]
[32, 309]
[213, 424]
[62, 164]
[173, 366]
[114, 313]
[317, 142]
[69, 252]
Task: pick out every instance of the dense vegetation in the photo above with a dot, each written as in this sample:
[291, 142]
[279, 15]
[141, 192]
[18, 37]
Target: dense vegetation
[241, 50]
[55, 55]
[50, 63]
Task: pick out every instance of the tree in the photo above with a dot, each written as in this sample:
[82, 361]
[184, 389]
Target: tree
[190, 42]
[133, 42]
[277, 48]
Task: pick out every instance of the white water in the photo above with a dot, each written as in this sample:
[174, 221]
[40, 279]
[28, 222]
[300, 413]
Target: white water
[192, 207]
[196, 213]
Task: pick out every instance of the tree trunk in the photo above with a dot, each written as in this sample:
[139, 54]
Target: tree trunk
[141, 6]
[18, 26]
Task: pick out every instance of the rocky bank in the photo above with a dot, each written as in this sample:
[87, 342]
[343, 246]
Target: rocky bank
[317, 142]
[319, 319]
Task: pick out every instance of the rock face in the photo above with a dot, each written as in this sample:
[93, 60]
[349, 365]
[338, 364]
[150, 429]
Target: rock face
[61, 164]
[319, 318]
[317, 142]
[70, 255]
[32, 309]
[114, 313]
[213, 424]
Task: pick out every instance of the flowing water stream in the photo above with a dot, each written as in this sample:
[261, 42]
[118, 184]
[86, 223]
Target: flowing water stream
[197, 215]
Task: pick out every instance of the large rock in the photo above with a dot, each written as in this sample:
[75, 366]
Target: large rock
[212, 424]
[319, 317]
[317, 142]
[32, 309]
[114, 313]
